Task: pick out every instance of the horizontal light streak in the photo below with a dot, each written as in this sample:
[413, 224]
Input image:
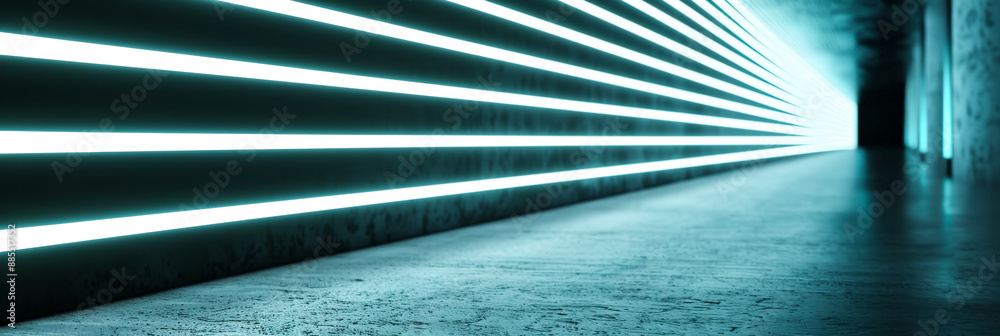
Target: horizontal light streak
[80, 52]
[30, 142]
[769, 85]
[772, 44]
[622, 52]
[57, 234]
[332, 17]
[760, 69]
[806, 78]
[811, 79]
[715, 47]
[715, 30]
[742, 33]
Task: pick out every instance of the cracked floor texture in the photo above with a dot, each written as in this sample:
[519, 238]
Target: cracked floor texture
[755, 254]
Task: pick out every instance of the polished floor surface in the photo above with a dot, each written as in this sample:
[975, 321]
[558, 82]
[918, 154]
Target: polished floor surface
[766, 251]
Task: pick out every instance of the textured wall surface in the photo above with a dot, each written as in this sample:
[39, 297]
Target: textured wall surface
[976, 50]
[59, 96]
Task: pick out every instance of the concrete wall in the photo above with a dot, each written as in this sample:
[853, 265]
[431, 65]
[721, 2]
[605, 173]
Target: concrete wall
[44, 95]
[976, 59]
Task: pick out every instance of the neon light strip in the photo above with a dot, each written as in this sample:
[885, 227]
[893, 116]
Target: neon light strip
[70, 51]
[22, 142]
[741, 17]
[767, 43]
[715, 30]
[922, 119]
[835, 115]
[756, 28]
[741, 34]
[622, 52]
[318, 14]
[787, 59]
[946, 122]
[57, 234]
[756, 69]
[769, 85]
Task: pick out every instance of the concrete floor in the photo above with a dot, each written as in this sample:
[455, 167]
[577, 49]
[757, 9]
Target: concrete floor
[771, 256]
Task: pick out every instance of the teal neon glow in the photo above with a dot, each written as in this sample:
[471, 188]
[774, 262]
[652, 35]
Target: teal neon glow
[922, 131]
[80, 52]
[331, 17]
[758, 35]
[715, 47]
[831, 113]
[827, 112]
[23, 142]
[622, 52]
[754, 32]
[757, 69]
[729, 39]
[912, 99]
[946, 109]
[770, 84]
[830, 134]
[66, 233]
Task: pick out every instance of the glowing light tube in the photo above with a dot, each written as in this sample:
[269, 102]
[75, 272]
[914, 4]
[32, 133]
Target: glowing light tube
[791, 65]
[319, 14]
[947, 146]
[810, 82]
[622, 52]
[771, 85]
[706, 42]
[27, 142]
[810, 77]
[761, 68]
[808, 95]
[716, 31]
[759, 32]
[70, 51]
[57, 234]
